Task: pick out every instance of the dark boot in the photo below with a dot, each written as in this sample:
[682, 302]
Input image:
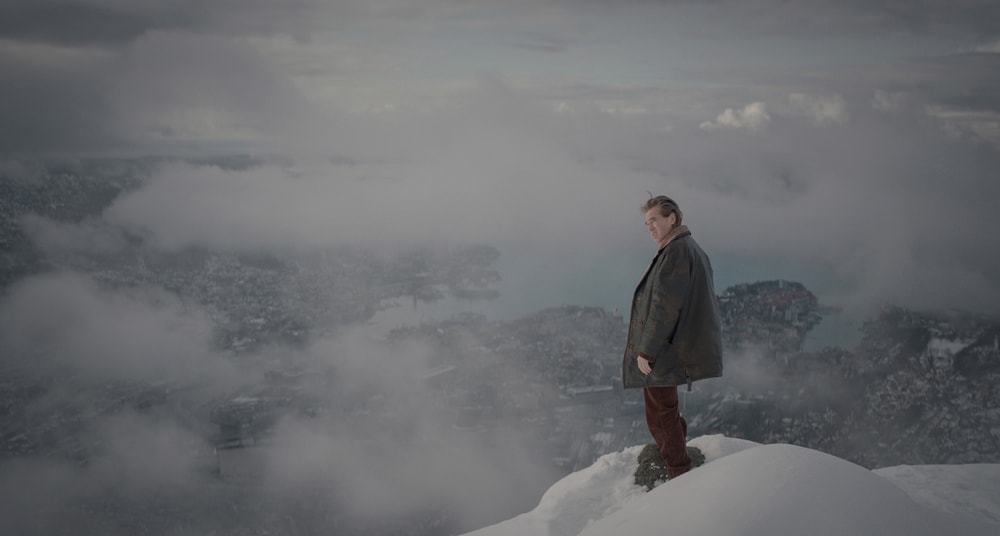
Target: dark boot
[652, 470]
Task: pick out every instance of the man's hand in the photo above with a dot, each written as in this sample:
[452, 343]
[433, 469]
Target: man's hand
[644, 364]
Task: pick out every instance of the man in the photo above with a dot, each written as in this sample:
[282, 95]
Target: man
[674, 334]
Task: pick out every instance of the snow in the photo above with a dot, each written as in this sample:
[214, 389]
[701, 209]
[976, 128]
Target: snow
[947, 346]
[972, 489]
[779, 490]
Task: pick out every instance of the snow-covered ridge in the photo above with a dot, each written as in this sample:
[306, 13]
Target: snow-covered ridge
[779, 490]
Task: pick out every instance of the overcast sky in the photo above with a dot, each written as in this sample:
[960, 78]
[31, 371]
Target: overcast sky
[848, 145]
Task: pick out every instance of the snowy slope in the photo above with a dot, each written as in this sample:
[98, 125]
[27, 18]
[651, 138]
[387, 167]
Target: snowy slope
[778, 490]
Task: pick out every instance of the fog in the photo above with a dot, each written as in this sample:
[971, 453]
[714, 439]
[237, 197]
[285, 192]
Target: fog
[888, 209]
[86, 342]
[855, 152]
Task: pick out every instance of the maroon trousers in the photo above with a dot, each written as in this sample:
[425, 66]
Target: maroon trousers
[668, 427]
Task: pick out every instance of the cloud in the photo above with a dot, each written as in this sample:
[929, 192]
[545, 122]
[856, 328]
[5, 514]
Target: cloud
[455, 177]
[390, 437]
[753, 116]
[817, 205]
[147, 78]
[53, 97]
[166, 89]
[66, 322]
[378, 429]
[864, 216]
[822, 110]
[889, 101]
[80, 354]
[169, 88]
[819, 18]
[977, 126]
[414, 463]
[113, 22]
[992, 48]
[499, 166]
[88, 237]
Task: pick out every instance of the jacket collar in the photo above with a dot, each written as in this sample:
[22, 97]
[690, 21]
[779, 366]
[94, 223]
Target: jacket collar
[674, 234]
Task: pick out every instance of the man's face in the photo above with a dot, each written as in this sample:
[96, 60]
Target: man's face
[658, 225]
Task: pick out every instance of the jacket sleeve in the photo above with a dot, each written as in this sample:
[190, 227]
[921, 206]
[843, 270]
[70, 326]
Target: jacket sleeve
[671, 285]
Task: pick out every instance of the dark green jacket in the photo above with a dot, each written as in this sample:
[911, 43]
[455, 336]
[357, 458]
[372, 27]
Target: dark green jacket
[675, 319]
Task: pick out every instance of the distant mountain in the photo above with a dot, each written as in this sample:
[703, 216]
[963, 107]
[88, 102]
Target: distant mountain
[918, 388]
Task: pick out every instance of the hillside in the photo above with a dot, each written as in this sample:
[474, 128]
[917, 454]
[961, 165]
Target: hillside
[777, 489]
